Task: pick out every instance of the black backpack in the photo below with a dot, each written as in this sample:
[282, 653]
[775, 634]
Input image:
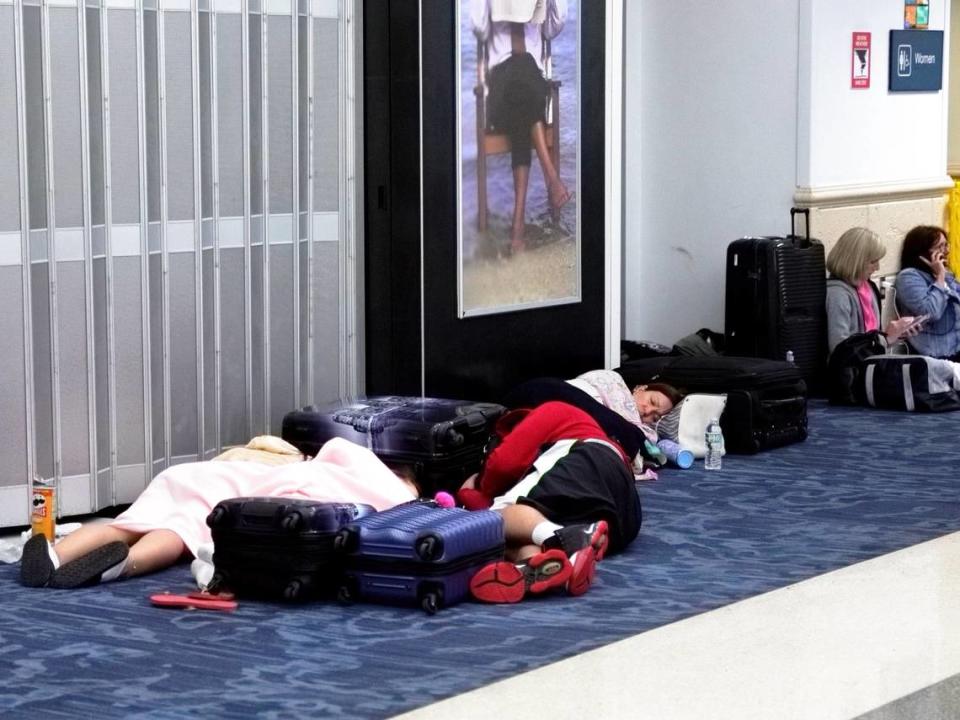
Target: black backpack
[846, 364]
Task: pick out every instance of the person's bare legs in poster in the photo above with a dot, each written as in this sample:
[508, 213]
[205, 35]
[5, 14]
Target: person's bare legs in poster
[521, 180]
[557, 192]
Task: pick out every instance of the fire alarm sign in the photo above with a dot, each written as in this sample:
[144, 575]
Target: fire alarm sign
[860, 61]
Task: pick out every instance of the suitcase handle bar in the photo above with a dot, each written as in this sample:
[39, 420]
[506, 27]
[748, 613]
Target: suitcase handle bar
[794, 211]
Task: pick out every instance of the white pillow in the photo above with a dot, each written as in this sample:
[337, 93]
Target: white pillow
[687, 423]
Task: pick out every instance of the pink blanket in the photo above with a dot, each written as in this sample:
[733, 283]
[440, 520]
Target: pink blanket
[181, 497]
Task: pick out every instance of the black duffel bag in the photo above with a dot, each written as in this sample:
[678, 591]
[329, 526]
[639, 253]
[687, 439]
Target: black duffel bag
[915, 383]
[860, 372]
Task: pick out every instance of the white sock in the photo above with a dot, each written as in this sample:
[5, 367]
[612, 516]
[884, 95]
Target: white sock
[544, 530]
[114, 572]
[54, 558]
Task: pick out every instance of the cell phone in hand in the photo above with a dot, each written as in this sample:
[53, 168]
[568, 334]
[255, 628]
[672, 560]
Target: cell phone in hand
[917, 322]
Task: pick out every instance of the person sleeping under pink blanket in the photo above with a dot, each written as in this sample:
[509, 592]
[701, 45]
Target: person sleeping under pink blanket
[168, 519]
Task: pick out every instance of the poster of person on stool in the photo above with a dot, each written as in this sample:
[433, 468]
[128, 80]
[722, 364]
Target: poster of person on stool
[518, 154]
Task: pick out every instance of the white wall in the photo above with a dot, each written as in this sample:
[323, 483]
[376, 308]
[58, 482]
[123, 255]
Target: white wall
[710, 151]
[867, 157]
[953, 142]
[734, 111]
[869, 136]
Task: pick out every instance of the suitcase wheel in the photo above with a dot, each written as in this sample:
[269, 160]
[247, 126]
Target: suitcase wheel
[346, 593]
[292, 521]
[429, 548]
[216, 516]
[430, 596]
[429, 603]
[345, 541]
[292, 590]
[454, 438]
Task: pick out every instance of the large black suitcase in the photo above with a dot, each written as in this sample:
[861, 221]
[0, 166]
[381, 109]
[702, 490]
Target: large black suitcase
[776, 301]
[443, 440]
[279, 548]
[766, 399]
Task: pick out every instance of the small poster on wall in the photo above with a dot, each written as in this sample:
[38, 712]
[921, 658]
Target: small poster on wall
[860, 61]
[916, 14]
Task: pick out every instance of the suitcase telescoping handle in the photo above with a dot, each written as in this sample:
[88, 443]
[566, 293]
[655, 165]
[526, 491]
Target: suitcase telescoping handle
[794, 211]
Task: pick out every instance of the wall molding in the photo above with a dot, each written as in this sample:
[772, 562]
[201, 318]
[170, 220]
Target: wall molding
[889, 214]
[838, 195]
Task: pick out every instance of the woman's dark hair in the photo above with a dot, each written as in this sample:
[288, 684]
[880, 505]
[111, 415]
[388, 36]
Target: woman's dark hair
[917, 244]
[406, 471]
[674, 395]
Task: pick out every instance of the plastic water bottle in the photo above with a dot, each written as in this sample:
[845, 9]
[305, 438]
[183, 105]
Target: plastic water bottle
[714, 441]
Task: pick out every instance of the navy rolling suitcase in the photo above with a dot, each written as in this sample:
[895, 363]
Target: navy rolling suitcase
[442, 440]
[278, 548]
[418, 553]
[776, 301]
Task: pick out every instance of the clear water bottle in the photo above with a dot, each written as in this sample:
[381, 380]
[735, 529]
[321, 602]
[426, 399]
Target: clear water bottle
[714, 441]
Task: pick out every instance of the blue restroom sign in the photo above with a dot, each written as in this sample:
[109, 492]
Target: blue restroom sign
[916, 60]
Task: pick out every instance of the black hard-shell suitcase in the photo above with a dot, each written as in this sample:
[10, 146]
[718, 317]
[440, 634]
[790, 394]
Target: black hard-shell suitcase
[418, 553]
[278, 547]
[776, 301]
[443, 440]
[766, 399]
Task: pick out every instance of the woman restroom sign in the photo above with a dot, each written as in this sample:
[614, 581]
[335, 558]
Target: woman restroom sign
[860, 61]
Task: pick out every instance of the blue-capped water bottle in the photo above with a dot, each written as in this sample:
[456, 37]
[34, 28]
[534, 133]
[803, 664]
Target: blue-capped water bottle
[714, 442]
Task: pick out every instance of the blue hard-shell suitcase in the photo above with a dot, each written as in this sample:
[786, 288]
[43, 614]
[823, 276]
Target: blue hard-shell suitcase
[279, 547]
[418, 553]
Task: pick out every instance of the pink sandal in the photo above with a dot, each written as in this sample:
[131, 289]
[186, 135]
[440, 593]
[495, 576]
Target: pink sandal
[195, 601]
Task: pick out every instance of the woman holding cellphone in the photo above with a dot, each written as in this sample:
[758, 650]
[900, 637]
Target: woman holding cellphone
[853, 300]
[926, 287]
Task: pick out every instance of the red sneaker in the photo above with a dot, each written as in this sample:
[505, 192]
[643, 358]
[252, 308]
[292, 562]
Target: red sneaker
[584, 569]
[574, 538]
[505, 582]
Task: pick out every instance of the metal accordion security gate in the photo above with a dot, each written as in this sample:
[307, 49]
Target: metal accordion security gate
[175, 241]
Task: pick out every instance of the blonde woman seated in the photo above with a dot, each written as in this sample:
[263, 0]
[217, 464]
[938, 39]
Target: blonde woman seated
[853, 300]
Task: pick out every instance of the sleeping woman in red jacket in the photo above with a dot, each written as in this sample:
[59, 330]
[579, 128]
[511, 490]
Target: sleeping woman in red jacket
[567, 496]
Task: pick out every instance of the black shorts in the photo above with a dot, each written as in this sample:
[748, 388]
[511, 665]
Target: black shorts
[517, 100]
[590, 483]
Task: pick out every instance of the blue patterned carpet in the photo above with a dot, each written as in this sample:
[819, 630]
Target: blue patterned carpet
[865, 483]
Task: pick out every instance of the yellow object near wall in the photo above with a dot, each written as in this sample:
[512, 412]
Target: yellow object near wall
[953, 228]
